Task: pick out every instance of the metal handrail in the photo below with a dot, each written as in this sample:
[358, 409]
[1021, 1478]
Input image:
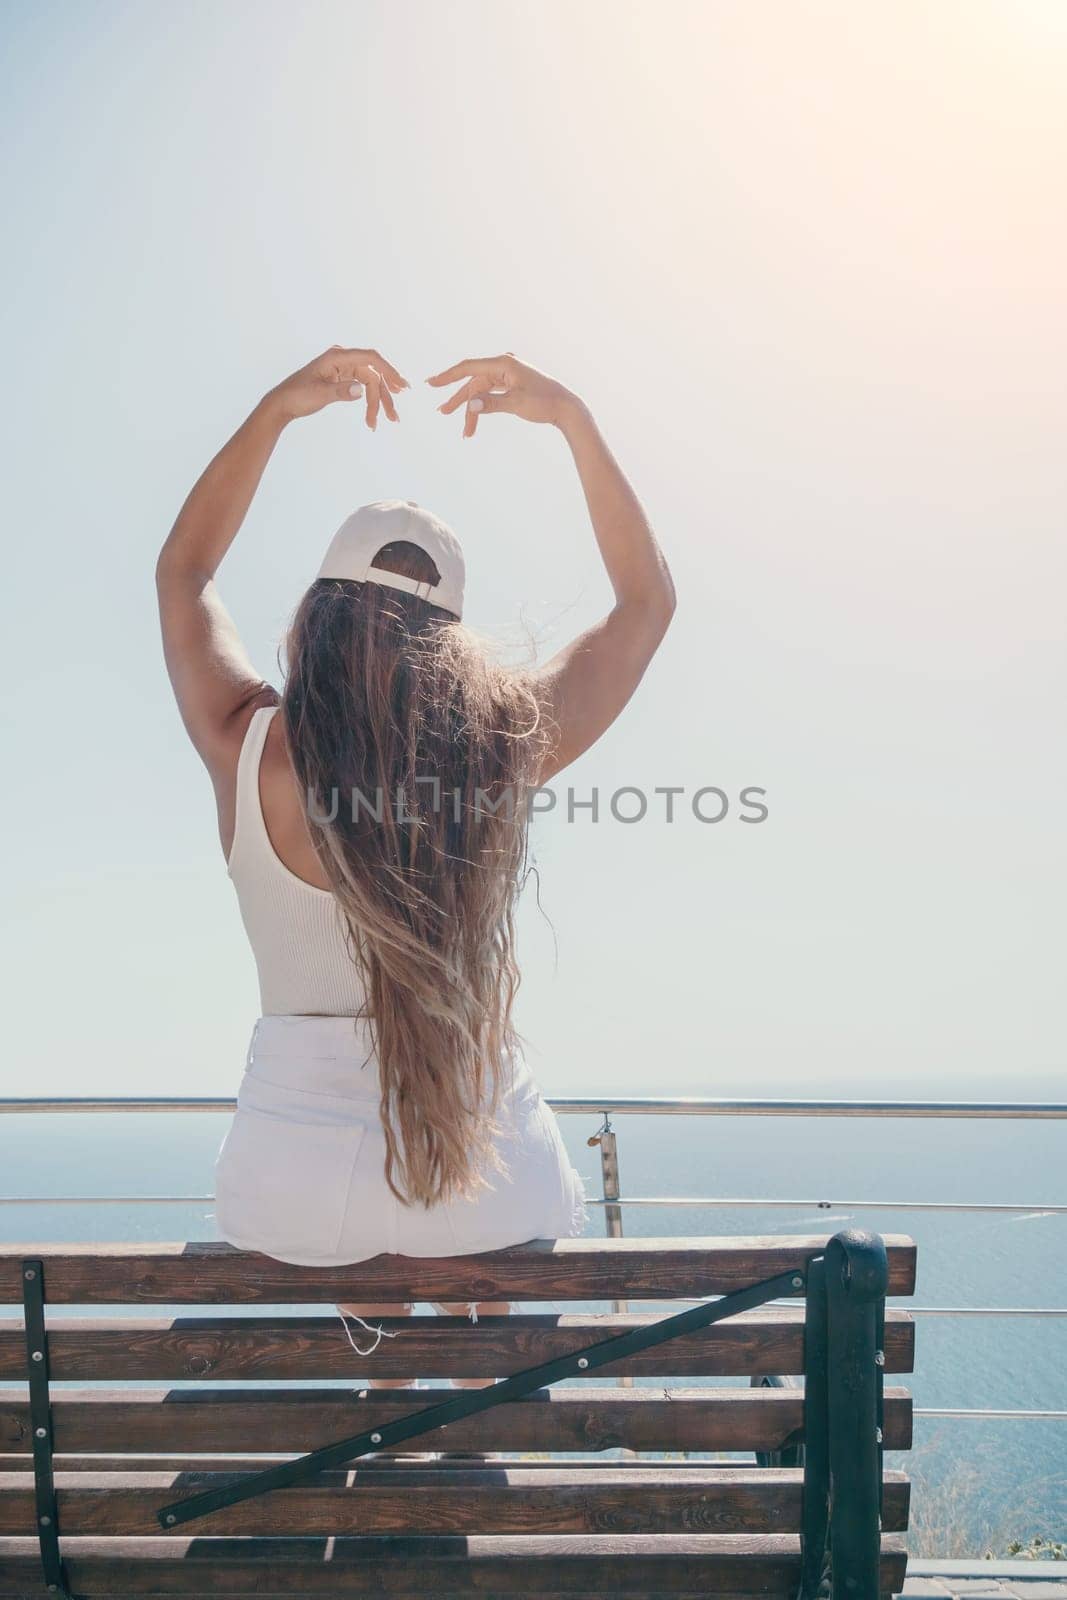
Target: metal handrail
[1051, 1208]
[961, 1411]
[632, 1105]
[732, 1201]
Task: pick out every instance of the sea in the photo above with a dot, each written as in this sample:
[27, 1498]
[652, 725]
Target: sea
[980, 1484]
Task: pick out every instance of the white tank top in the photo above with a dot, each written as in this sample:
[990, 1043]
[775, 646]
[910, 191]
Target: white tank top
[297, 931]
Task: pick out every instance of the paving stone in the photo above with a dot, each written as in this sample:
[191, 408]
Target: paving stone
[996, 1591]
[946, 1585]
[978, 1588]
[1037, 1589]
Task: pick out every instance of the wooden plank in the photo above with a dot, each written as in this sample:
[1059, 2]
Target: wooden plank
[587, 1565]
[582, 1417]
[439, 1499]
[84, 1349]
[209, 1272]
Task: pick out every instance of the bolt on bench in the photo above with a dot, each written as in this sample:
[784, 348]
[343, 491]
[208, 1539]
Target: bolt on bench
[216, 1488]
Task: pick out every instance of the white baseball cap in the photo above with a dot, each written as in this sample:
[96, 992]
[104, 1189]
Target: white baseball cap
[361, 536]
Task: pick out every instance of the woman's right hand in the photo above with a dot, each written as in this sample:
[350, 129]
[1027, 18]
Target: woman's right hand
[504, 383]
[344, 375]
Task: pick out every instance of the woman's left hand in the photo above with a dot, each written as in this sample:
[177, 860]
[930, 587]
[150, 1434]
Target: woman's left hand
[345, 375]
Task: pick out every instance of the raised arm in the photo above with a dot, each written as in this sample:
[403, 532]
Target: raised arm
[215, 683]
[590, 680]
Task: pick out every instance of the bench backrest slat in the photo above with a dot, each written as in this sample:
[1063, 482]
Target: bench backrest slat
[83, 1349]
[583, 1417]
[208, 1273]
[511, 1500]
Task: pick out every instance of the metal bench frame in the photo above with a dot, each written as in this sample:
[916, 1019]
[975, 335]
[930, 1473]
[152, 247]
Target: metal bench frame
[844, 1329]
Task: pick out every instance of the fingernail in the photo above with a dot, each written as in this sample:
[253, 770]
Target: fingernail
[477, 405]
[355, 390]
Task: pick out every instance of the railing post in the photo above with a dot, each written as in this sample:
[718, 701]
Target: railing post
[609, 1179]
[609, 1188]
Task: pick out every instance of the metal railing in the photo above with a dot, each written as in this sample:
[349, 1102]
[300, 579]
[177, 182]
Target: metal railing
[612, 1200]
[606, 1106]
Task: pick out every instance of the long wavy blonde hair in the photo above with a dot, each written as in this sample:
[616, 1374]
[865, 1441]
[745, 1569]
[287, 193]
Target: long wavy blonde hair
[417, 753]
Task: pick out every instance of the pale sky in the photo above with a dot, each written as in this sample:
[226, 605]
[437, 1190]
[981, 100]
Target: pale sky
[806, 264]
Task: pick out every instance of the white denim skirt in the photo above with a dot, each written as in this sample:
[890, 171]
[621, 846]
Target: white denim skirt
[300, 1175]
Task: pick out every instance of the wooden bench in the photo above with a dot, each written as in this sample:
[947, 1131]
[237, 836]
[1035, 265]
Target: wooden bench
[107, 1465]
